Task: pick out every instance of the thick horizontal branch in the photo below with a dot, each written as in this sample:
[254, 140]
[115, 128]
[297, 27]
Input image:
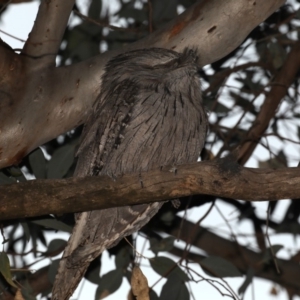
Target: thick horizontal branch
[221, 178]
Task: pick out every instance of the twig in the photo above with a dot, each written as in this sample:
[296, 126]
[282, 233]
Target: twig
[269, 242]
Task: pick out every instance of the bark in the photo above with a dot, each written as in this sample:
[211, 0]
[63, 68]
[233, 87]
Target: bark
[39, 101]
[221, 178]
[47, 32]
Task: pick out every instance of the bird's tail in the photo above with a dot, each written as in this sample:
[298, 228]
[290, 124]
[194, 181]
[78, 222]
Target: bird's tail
[69, 275]
[94, 232]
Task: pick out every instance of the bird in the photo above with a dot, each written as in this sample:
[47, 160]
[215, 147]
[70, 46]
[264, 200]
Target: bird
[149, 114]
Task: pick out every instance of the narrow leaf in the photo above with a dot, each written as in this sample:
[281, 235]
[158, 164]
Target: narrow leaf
[165, 266]
[217, 266]
[38, 163]
[61, 161]
[109, 283]
[55, 224]
[174, 289]
[53, 270]
[55, 247]
[242, 289]
[5, 269]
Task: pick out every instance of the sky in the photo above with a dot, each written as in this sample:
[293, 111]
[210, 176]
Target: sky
[17, 22]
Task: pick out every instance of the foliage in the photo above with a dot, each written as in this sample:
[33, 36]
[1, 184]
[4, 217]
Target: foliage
[234, 90]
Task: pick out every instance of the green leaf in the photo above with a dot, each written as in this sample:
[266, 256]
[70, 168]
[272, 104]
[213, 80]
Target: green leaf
[53, 270]
[165, 244]
[244, 103]
[61, 161]
[56, 246]
[167, 217]
[5, 179]
[95, 9]
[17, 173]
[5, 269]
[217, 266]
[277, 162]
[277, 53]
[242, 289]
[27, 291]
[269, 255]
[54, 224]
[174, 289]
[122, 258]
[26, 230]
[164, 266]
[93, 272]
[220, 108]
[262, 50]
[153, 295]
[109, 283]
[38, 163]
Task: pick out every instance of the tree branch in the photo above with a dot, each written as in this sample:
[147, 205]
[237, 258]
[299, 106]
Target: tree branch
[50, 101]
[221, 178]
[215, 27]
[46, 35]
[280, 85]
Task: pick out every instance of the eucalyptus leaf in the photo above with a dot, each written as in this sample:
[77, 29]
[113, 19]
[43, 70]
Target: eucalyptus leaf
[93, 272]
[174, 289]
[52, 271]
[269, 254]
[5, 179]
[56, 246]
[249, 276]
[95, 9]
[5, 269]
[26, 230]
[38, 163]
[153, 295]
[165, 244]
[217, 266]
[164, 266]
[123, 258]
[109, 283]
[54, 224]
[61, 161]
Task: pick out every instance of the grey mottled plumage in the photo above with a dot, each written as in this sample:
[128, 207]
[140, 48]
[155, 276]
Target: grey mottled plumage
[149, 114]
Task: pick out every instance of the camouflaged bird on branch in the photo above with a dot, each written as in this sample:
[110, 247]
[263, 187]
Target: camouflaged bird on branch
[149, 114]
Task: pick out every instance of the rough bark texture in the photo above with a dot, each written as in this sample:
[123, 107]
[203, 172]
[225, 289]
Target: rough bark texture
[41, 197]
